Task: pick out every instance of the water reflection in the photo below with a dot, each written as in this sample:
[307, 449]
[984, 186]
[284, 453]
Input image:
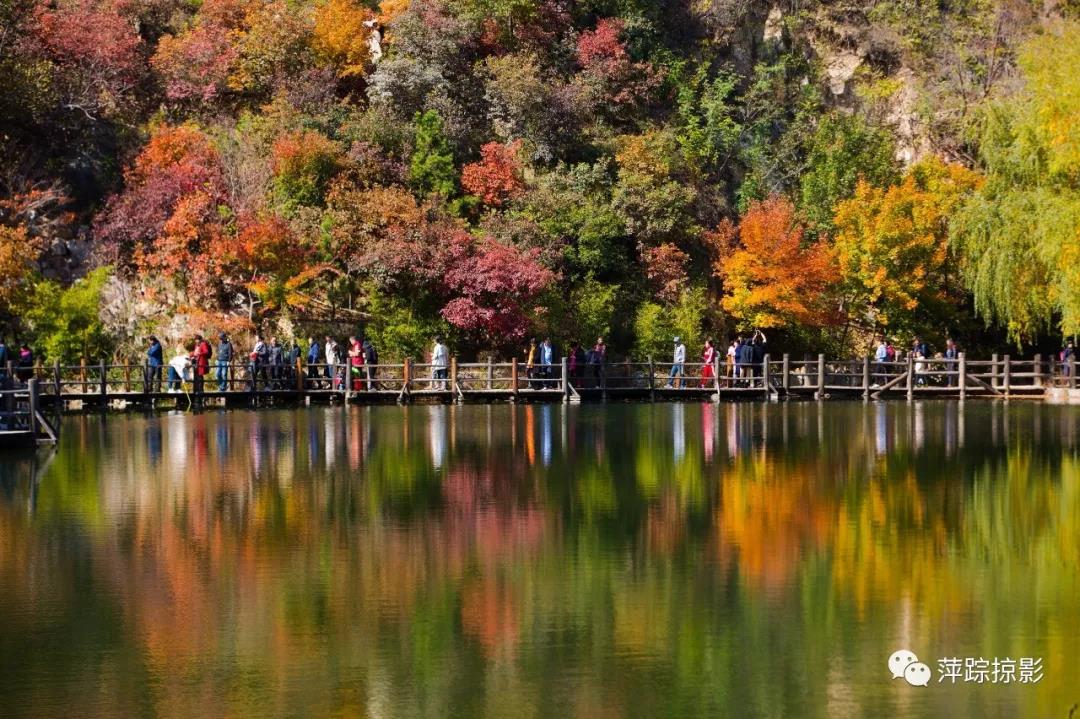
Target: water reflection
[625, 560]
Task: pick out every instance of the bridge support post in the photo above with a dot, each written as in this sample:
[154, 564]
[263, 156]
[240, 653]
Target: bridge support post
[514, 377]
[866, 377]
[104, 384]
[962, 358]
[652, 380]
[994, 371]
[785, 379]
[1006, 372]
[765, 376]
[820, 377]
[565, 381]
[910, 377]
[32, 386]
[1036, 370]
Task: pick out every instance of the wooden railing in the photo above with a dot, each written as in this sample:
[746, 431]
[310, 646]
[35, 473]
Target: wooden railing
[819, 376]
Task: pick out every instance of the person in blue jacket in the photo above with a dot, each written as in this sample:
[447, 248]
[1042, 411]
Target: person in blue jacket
[155, 360]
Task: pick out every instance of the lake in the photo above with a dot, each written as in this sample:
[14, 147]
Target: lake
[612, 560]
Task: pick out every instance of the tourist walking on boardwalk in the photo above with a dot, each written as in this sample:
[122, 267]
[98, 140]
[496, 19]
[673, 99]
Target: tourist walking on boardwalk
[200, 358]
[597, 358]
[178, 369]
[677, 363]
[729, 370]
[952, 353]
[1066, 356]
[530, 364]
[574, 362]
[881, 356]
[314, 357]
[760, 344]
[224, 361]
[356, 363]
[547, 359]
[746, 362]
[331, 349]
[440, 361]
[709, 358]
[277, 363]
[155, 360]
[259, 358]
[371, 359]
[24, 368]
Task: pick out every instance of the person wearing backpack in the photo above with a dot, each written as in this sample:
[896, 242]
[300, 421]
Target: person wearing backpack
[258, 357]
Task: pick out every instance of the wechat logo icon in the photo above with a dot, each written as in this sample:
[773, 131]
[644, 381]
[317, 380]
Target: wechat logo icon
[903, 664]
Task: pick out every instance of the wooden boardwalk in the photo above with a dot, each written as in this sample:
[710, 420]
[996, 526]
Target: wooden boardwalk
[101, 385]
[22, 423]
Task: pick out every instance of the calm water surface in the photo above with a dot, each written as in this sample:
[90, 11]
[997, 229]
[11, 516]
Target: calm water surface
[616, 561]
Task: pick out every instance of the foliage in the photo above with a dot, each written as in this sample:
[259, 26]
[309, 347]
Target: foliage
[494, 288]
[496, 179]
[892, 246]
[65, 322]
[843, 150]
[431, 169]
[341, 37]
[17, 254]
[656, 326]
[1019, 235]
[770, 278]
[304, 163]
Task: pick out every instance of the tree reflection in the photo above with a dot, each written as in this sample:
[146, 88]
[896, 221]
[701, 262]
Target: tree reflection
[442, 560]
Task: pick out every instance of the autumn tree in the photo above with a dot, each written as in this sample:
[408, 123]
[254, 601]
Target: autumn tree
[1018, 236]
[340, 35]
[493, 288]
[496, 178]
[892, 246]
[771, 278]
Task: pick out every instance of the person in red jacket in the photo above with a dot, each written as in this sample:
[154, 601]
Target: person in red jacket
[200, 359]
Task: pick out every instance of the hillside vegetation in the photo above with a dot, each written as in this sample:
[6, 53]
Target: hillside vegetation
[495, 169]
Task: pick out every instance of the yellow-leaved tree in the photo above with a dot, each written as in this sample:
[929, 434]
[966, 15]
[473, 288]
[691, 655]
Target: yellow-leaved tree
[892, 247]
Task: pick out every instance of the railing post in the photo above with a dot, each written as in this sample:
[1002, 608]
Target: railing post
[57, 382]
[104, 381]
[1036, 380]
[11, 372]
[82, 374]
[962, 369]
[994, 371]
[146, 377]
[127, 378]
[565, 383]
[910, 376]
[1072, 371]
[716, 378]
[406, 374]
[652, 379]
[1006, 372]
[514, 376]
[32, 386]
[866, 377]
[490, 373]
[453, 374]
[821, 376]
[785, 380]
[299, 376]
[765, 375]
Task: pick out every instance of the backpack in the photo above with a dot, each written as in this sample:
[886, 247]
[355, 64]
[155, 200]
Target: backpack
[371, 356]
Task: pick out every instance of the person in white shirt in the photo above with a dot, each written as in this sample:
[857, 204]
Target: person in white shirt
[440, 361]
[178, 369]
[675, 378]
[331, 349]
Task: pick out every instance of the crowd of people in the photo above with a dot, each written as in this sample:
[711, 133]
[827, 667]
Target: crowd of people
[274, 364]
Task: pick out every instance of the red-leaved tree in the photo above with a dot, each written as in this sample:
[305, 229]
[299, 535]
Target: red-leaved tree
[494, 287]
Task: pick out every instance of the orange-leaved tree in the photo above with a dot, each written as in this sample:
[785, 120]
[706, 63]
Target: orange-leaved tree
[496, 179]
[771, 277]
